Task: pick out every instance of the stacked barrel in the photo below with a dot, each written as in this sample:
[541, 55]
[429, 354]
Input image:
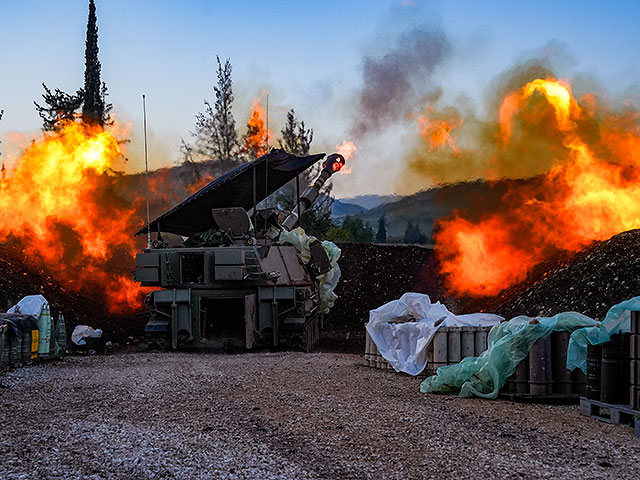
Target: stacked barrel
[372, 356]
[20, 344]
[610, 366]
[4, 347]
[448, 346]
[543, 372]
[634, 361]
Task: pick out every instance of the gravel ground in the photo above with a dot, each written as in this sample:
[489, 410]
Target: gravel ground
[282, 415]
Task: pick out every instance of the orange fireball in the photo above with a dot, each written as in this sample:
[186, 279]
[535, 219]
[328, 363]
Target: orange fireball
[59, 202]
[589, 193]
[257, 137]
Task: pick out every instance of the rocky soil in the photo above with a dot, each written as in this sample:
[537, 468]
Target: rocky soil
[21, 275]
[593, 281]
[282, 415]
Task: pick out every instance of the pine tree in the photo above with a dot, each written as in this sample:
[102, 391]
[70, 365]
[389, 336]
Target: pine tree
[59, 107]
[381, 234]
[296, 139]
[215, 129]
[95, 110]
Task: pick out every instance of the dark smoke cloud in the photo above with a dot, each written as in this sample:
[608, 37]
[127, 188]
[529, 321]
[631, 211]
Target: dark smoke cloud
[394, 83]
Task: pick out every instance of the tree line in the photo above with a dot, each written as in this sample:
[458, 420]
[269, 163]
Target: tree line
[214, 139]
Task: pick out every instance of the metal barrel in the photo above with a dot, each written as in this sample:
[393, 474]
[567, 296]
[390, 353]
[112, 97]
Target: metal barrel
[467, 342]
[522, 376]
[25, 349]
[367, 346]
[540, 367]
[15, 350]
[635, 321]
[61, 334]
[594, 370]
[480, 340]
[560, 375]
[454, 347]
[614, 373]
[440, 348]
[634, 361]
[4, 347]
[578, 382]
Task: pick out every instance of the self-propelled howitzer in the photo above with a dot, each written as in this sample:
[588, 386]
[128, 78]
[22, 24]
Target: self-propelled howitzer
[238, 280]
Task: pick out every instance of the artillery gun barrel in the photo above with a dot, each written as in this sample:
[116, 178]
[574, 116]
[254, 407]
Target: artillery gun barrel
[332, 164]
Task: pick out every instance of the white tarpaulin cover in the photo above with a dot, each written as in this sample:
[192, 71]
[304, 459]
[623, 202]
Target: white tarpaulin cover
[404, 343]
[84, 331]
[30, 305]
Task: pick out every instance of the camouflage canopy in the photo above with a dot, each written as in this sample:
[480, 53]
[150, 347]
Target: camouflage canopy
[233, 189]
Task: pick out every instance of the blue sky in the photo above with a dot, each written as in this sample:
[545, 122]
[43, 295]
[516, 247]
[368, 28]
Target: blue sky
[307, 54]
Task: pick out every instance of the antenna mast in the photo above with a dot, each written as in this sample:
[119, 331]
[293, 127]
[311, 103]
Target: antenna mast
[146, 168]
[266, 169]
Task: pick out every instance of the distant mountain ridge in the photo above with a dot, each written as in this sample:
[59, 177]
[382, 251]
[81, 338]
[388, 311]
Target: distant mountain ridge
[424, 208]
[367, 202]
[354, 206]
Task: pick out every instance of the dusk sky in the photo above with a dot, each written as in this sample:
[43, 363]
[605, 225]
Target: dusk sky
[307, 55]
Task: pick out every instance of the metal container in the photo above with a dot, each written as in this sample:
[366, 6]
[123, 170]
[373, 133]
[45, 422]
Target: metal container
[540, 367]
[454, 347]
[25, 349]
[578, 382]
[635, 321]
[15, 350]
[367, 346]
[4, 347]
[61, 334]
[439, 342]
[467, 342]
[522, 376]
[560, 375]
[594, 367]
[634, 346]
[614, 374]
[480, 340]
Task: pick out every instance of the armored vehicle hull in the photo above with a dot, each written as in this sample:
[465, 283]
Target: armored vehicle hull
[239, 281]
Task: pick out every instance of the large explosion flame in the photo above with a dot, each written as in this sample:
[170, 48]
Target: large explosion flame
[60, 202]
[586, 189]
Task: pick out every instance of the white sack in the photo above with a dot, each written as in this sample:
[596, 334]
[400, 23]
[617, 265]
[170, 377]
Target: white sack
[404, 345]
[84, 331]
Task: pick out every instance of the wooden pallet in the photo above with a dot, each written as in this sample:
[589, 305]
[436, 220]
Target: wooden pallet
[610, 413]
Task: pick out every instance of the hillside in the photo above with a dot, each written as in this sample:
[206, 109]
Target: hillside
[425, 207]
[597, 278]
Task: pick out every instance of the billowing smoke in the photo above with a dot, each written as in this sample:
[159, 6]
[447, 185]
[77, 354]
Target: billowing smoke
[578, 150]
[394, 83]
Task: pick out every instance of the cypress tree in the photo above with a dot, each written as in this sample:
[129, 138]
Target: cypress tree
[94, 108]
[381, 234]
[59, 107]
